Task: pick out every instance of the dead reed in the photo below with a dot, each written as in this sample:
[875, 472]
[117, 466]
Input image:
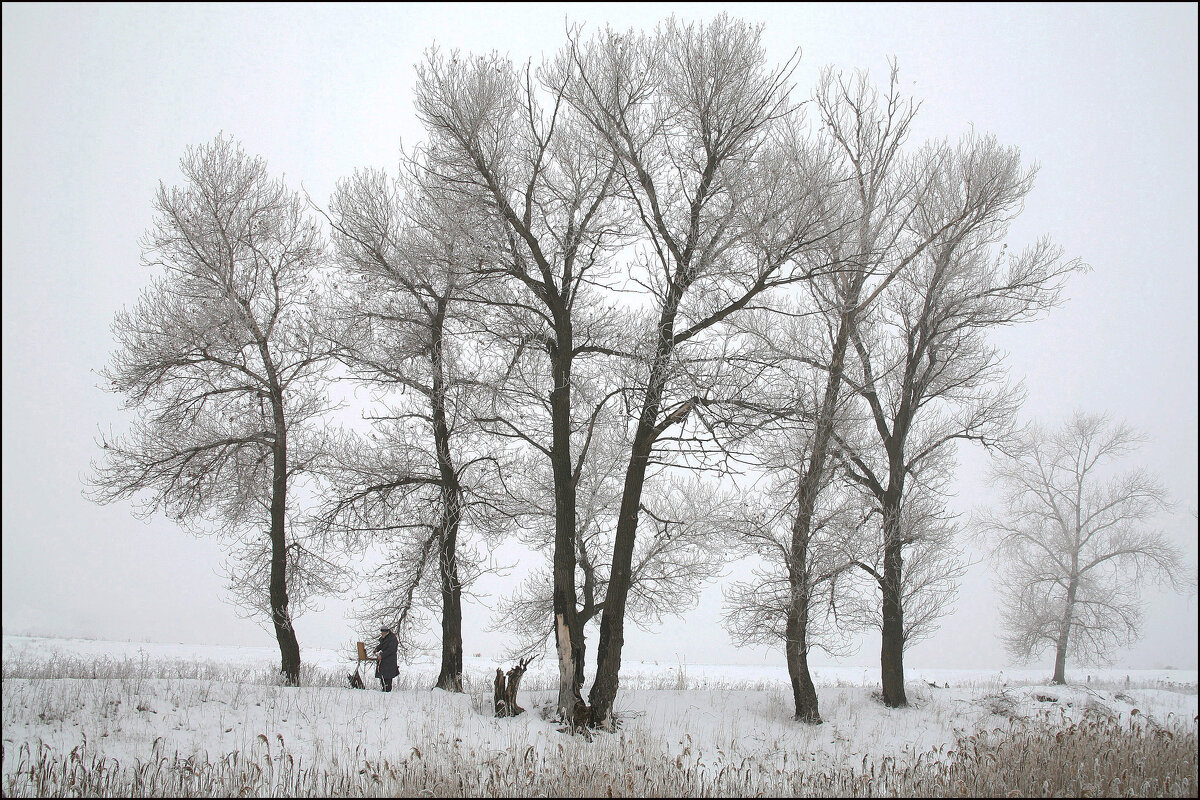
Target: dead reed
[1098, 756]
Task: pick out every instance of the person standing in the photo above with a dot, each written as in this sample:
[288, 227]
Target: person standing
[386, 668]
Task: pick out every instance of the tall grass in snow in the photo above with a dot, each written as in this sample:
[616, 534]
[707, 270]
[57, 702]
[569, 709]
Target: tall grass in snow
[1098, 756]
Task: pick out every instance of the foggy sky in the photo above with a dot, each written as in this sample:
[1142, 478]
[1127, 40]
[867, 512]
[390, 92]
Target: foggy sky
[100, 103]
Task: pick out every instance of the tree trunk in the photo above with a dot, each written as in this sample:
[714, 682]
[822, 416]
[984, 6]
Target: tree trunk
[795, 643]
[804, 693]
[1064, 632]
[499, 698]
[612, 621]
[505, 687]
[285, 634]
[450, 676]
[580, 656]
[512, 684]
[1060, 661]
[891, 653]
[567, 635]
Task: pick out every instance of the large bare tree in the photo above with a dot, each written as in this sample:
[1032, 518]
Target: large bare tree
[804, 527]
[924, 370]
[221, 362]
[520, 156]
[933, 564]
[1074, 542]
[726, 192]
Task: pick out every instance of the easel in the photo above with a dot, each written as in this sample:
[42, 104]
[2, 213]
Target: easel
[362, 656]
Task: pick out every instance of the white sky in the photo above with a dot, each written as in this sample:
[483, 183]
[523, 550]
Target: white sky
[100, 102]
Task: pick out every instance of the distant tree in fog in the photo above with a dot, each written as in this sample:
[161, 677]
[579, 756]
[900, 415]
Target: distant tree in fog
[1073, 541]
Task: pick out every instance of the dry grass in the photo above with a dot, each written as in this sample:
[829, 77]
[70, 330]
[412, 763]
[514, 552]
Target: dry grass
[144, 667]
[1096, 757]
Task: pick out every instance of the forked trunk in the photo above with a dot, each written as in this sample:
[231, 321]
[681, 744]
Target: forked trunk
[512, 685]
[505, 688]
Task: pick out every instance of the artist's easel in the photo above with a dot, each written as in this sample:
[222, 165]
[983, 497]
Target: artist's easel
[362, 656]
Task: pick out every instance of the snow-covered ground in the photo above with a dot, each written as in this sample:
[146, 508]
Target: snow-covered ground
[634, 674]
[132, 701]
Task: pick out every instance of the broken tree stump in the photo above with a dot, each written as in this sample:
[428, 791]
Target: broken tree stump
[505, 689]
[501, 700]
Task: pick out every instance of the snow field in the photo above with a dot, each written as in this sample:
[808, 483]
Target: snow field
[226, 727]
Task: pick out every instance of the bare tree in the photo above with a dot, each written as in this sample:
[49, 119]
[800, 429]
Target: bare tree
[1072, 539]
[716, 173]
[805, 348]
[547, 192]
[924, 370]
[805, 527]
[406, 253]
[221, 361]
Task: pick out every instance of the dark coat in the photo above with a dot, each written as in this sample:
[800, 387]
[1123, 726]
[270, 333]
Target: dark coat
[386, 667]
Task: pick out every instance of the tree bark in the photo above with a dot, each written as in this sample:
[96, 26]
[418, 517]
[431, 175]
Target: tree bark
[512, 684]
[450, 675]
[804, 692]
[499, 698]
[612, 621]
[580, 654]
[567, 633]
[891, 652]
[505, 687]
[285, 634]
[1064, 632]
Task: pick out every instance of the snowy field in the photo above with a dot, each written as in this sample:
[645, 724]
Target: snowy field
[82, 717]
